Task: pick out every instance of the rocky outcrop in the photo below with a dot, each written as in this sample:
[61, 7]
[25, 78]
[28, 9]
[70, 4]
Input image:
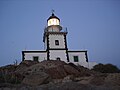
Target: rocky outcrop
[21, 68]
[55, 75]
[36, 79]
[61, 86]
[112, 79]
[71, 70]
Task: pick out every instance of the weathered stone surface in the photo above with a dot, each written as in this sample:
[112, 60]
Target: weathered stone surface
[84, 80]
[54, 68]
[63, 86]
[98, 79]
[55, 75]
[36, 79]
[24, 65]
[113, 79]
[71, 70]
[57, 72]
[68, 78]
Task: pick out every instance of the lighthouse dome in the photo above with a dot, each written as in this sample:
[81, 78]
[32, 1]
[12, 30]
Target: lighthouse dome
[53, 20]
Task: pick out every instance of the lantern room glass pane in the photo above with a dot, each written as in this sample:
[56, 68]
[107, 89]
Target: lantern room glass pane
[53, 21]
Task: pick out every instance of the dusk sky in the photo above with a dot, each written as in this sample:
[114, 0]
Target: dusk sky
[93, 25]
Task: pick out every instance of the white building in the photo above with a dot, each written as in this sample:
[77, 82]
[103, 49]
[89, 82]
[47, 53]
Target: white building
[56, 48]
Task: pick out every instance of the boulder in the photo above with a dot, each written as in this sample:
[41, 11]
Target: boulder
[36, 79]
[24, 65]
[71, 70]
[57, 72]
[51, 63]
[55, 69]
[83, 71]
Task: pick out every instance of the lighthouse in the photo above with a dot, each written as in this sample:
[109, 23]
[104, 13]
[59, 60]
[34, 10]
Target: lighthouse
[55, 40]
[55, 43]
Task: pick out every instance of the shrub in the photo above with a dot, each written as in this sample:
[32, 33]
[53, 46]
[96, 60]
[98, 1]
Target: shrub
[106, 68]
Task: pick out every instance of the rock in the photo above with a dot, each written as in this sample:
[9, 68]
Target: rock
[71, 70]
[68, 78]
[54, 68]
[98, 79]
[36, 79]
[8, 68]
[28, 63]
[51, 63]
[57, 72]
[34, 69]
[83, 80]
[24, 65]
[55, 75]
[65, 86]
[113, 79]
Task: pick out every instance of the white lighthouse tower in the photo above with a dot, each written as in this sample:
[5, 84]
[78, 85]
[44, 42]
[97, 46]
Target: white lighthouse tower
[55, 40]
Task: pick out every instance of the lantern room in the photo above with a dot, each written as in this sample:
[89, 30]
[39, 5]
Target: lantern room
[53, 20]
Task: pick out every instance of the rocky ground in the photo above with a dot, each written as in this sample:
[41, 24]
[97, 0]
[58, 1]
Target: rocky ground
[55, 75]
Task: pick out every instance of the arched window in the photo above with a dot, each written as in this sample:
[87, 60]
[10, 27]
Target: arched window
[35, 58]
[58, 58]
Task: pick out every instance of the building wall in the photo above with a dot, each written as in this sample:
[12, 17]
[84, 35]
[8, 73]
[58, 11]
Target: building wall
[53, 37]
[62, 55]
[29, 56]
[45, 44]
[81, 58]
[91, 64]
[58, 53]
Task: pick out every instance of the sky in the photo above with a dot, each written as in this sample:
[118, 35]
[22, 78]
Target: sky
[93, 25]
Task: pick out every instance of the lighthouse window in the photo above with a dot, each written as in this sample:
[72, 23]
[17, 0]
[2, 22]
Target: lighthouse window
[75, 58]
[35, 58]
[56, 42]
